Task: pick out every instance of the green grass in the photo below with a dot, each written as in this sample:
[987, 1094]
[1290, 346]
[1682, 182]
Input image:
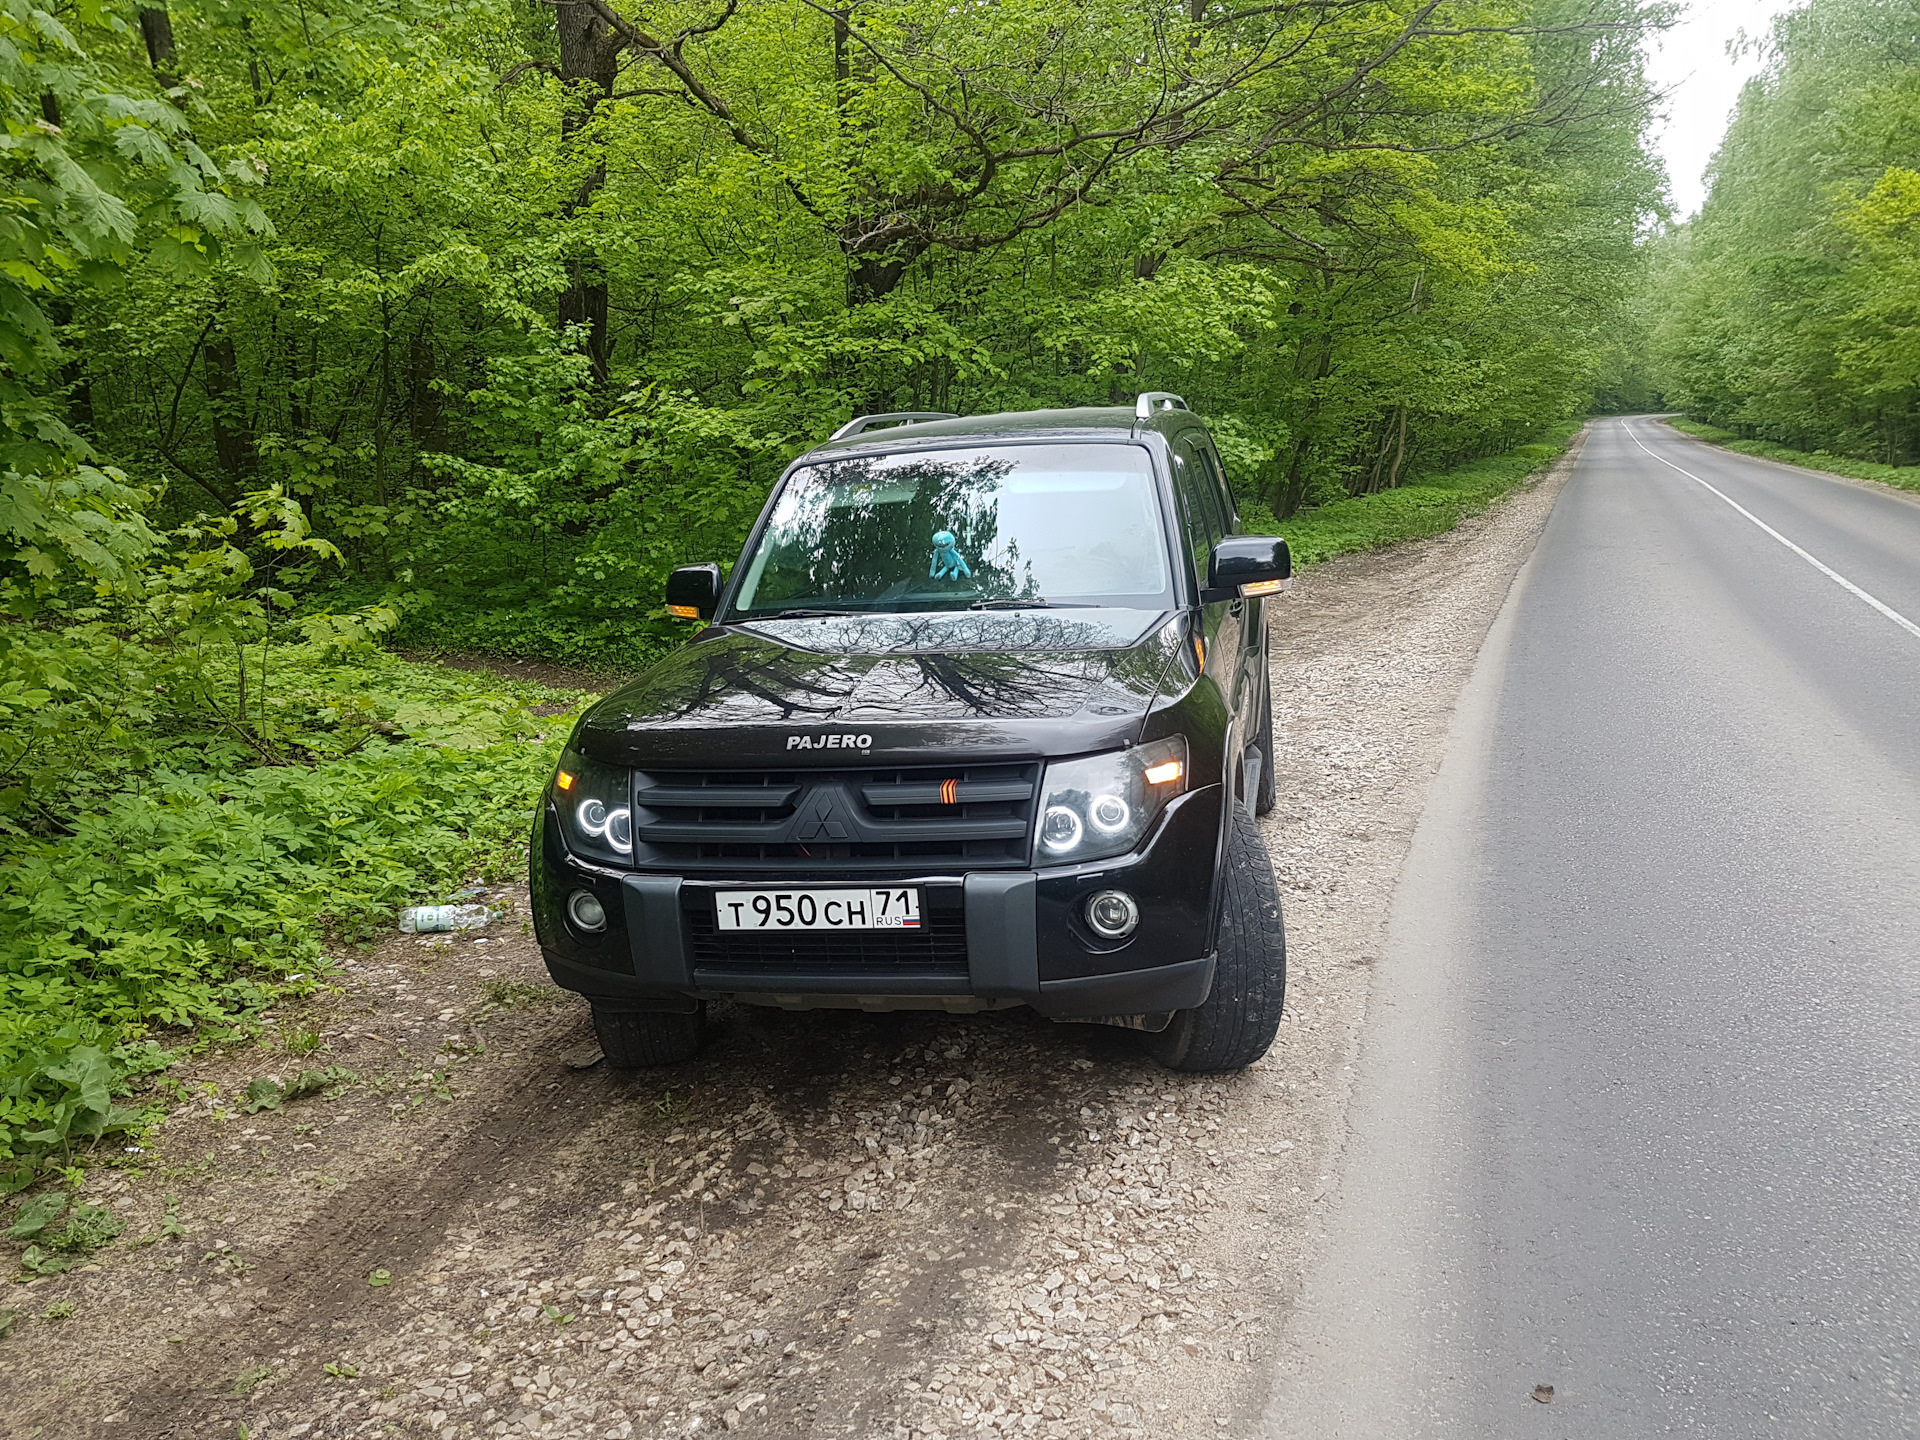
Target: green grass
[170, 905]
[1901, 477]
[1428, 506]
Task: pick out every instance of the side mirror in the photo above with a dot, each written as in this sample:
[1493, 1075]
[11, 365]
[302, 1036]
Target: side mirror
[693, 591]
[1246, 566]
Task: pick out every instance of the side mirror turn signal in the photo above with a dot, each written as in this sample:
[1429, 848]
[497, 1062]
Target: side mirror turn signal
[1248, 566]
[693, 591]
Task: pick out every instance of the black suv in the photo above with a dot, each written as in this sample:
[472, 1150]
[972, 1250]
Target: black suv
[981, 719]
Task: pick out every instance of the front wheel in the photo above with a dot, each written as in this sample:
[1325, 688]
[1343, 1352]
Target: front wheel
[641, 1039]
[1236, 1023]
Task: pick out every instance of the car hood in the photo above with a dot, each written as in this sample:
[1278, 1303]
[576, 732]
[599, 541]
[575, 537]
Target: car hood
[890, 689]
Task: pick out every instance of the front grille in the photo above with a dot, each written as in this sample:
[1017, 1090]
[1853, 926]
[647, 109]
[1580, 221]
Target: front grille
[961, 816]
[937, 949]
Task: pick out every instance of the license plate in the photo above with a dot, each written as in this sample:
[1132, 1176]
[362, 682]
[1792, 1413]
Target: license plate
[817, 909]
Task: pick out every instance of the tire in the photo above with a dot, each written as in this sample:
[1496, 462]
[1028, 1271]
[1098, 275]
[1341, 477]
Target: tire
[639, 1039]
[1234, 1026]
[1266, 794]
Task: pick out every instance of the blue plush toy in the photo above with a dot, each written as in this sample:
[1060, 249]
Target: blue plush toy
[947, 564]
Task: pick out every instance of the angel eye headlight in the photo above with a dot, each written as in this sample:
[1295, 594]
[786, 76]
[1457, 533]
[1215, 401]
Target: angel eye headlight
[1060, 830]
[596, 808]
[1101, 805]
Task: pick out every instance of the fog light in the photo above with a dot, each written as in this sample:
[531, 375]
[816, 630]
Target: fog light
[587, 913]
[1113, 914]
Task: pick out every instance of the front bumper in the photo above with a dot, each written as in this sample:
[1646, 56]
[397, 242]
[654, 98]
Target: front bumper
[1024, 941]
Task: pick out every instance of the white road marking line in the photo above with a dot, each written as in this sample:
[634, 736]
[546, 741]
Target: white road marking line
[1827, 570]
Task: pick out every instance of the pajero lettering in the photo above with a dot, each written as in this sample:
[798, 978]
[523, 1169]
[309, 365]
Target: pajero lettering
[829, 742]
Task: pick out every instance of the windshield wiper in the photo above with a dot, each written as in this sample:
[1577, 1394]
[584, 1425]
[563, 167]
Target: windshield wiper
[1035, 603]
[804, 615]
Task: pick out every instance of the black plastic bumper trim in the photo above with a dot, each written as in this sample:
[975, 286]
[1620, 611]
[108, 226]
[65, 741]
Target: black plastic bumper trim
[1003, 935]
[1128, 992]
[610, 990]
[804, 983]
[658, 939]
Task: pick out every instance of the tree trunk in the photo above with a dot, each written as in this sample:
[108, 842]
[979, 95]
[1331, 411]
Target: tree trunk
[1314, 364]
[156, 28]
[423, 400]
[232, 436]
[589, 56]
[872, 274]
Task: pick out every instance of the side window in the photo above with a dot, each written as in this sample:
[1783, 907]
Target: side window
[1198, 507]
[1223, 492]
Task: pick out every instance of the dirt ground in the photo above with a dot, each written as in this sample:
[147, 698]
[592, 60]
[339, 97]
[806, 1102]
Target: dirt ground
[829, 1224]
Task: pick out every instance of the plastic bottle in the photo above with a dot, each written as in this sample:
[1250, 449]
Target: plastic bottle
[429, 919]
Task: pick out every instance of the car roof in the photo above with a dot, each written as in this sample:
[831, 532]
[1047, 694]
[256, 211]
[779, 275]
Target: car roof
[1104, 422]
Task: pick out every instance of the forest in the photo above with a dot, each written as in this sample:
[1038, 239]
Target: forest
[1788, 311]
[333, 334]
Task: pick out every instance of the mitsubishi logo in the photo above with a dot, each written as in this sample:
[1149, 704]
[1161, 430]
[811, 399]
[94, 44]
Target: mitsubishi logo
[818, 820]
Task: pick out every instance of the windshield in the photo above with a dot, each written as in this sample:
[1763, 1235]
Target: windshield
[1012, 526]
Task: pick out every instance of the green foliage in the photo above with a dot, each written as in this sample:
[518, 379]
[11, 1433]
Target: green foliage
[202, 893]
[269, 1094]
[36, 1214]
[1790, 308]
[1368, 240]
[1427, 506]
[52, 1247]
[1904, 477]
[87, 1229]
[504, 994]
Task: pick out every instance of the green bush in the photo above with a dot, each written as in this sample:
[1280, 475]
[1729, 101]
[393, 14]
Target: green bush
[1428, 506]
[199, 890]
[1903, 477]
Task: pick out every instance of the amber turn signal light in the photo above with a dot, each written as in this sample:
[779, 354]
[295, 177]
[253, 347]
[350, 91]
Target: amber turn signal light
[1257, 588]
[685, 612]
[1163, 774]
[563, 780]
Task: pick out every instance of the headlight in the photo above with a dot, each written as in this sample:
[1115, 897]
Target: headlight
[596, 807]
[1103, 804]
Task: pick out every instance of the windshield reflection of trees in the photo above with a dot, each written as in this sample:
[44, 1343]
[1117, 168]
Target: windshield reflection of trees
[861, 531]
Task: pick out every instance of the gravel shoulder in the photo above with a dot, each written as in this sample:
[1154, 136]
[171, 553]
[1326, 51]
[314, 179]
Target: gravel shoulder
[829, 1224]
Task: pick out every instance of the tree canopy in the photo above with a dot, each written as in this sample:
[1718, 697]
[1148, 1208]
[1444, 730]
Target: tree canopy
[1789, 310]
[524, 303]
[328, 327]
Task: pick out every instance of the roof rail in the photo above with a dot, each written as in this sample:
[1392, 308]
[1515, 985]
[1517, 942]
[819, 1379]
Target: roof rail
[895, 417]
[1153, 400]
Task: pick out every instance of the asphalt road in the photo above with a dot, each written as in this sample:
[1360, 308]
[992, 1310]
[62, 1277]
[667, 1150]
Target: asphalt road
[1638, 1112]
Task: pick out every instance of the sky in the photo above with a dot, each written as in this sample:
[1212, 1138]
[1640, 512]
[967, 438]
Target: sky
[1691, 62]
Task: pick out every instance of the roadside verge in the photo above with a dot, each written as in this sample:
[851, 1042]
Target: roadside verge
[1835, 467]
